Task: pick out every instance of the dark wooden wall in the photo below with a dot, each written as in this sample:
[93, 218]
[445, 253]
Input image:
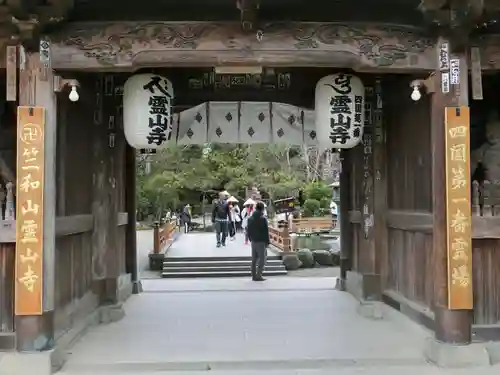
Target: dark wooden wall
[91, 223]
[409, 192]
[409, 211]
[90, 197]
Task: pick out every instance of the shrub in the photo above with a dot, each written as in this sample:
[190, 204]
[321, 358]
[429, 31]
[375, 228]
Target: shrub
[311, 207]
[318, 191]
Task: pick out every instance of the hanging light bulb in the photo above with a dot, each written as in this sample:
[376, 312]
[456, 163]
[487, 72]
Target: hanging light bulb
[415, 95]
[73, 95]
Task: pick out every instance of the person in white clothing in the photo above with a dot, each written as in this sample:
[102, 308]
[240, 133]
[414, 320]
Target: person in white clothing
[248, 209]
[335, 213]
[234, 217]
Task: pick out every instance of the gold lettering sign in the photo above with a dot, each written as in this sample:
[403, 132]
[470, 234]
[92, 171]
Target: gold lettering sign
[29, 207]
[458, 208]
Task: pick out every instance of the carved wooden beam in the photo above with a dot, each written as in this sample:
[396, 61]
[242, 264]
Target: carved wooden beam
[26, 20]
[59, 10]
[432, 5]
[248, 10]
[454, 18]
[26, 31]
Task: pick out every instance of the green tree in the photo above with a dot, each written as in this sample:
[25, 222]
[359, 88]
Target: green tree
[318, 191]
[180, 174]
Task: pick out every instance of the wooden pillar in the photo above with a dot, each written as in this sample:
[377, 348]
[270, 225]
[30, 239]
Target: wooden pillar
[156, 237]
[99, 186]
[36, 332]
[130, 206]
[451, 326]
[345, 224]
[380, 187]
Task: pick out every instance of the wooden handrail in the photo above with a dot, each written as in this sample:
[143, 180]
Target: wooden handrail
[163, 235]
[280, 238]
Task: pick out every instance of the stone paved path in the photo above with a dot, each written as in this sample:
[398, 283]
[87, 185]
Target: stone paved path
[203, 245]
[235, 324]
[284, 326]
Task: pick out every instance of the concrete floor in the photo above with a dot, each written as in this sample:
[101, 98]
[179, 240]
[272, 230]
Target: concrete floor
[283, 326]
[238, 324]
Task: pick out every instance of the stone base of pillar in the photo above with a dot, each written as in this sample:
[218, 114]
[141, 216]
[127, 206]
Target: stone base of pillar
[156, 261]
[35, 333]
[137, 287]
[458, 356]
[7, 341]
[366, 289]
[114, 290]
[49, 361]
[26, 363]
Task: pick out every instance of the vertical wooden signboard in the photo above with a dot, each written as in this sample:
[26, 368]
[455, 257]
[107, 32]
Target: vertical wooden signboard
[29, 208]
[458, 208]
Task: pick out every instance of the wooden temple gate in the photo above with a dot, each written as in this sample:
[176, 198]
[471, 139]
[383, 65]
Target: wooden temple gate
[393, 204]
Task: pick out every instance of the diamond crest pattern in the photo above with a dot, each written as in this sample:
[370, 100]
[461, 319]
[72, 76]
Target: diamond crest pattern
[218, 131]
[229, 117]
[198, 117]
[250, 131]
[190, 133]
[280, 132]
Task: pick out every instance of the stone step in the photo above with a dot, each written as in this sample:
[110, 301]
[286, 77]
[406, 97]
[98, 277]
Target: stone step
[207, 273]
[243, 268]
[218, 258]
[218, 263]
[218, 266]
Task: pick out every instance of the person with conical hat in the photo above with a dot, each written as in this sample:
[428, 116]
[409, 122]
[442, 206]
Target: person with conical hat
[234, 217]
[248, 209]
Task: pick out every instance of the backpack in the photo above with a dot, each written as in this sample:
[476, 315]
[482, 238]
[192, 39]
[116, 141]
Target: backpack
[221, 210]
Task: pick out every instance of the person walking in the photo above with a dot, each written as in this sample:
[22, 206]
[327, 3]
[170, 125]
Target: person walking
[258, 234]
[248, 209]
[220, 218]
[335, 213]
[186, 217]
[234, 217]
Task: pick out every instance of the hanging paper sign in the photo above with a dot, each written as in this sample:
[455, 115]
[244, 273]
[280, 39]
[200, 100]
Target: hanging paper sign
[339, 111]
[445, 82]
[444, 56]
[147, 111]
[455, 71]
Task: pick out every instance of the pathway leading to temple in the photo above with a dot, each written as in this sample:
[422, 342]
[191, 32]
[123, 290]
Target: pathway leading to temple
[283, 326]
[200, 324]
[197, 255]
[236, 324]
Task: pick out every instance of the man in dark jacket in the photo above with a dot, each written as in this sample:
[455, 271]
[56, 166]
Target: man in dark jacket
[220, 218]
[258, 234]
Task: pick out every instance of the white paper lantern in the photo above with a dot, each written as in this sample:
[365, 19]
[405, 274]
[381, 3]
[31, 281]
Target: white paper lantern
[339, 111]
[147, 111]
